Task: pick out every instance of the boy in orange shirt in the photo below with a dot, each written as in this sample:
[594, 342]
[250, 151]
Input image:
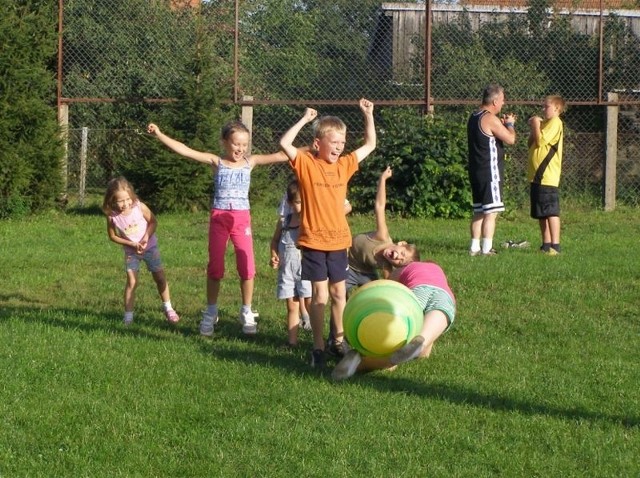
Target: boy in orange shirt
[323, 174]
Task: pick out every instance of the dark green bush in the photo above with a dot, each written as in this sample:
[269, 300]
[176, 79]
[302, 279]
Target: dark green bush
[428, 156]
[30, 147]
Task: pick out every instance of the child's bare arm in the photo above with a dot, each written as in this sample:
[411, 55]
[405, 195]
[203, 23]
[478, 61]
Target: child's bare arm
[260, 159]
[382, 231]
[534, 135]
[347, 207]
[152, 225]
[114, 237]
[286, 142]
[370, 139]
[182, 149]
[275, 259]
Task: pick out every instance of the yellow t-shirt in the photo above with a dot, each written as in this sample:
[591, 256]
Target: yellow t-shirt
[550, 134]
[323, 191]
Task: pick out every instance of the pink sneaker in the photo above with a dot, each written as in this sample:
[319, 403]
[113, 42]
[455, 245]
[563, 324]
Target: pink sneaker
[172, 316]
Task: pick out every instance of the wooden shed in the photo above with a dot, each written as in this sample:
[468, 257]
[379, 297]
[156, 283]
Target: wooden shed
[399, 34]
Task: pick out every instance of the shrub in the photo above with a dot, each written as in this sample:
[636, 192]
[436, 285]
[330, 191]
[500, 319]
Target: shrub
[30, 147]
[428, 156]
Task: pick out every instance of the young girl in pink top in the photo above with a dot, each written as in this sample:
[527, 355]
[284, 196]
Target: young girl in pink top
[429, 283]
[131, 224]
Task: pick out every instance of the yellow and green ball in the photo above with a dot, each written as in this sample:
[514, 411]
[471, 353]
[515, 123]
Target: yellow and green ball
[380, 317]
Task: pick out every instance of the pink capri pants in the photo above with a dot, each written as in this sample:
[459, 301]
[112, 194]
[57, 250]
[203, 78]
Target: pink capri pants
[234, 225]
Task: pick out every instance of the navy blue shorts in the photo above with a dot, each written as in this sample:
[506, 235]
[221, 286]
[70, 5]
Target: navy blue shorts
[318, 266]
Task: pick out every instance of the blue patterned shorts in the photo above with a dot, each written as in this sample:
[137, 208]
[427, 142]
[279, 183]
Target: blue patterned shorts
[151, 257]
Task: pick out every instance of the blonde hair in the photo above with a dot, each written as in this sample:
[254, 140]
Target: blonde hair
[557, 100]
[114, 186]
[233, 127]
[414, 253]
[324, 125]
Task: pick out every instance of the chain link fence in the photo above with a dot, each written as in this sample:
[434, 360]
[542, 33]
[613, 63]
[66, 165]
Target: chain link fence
[124, 63]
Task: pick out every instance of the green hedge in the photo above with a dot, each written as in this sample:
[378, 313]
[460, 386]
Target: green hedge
[30, 147]
[428, 156]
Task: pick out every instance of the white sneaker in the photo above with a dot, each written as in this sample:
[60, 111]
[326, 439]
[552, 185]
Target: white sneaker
[347, 366]
[305, 323]
[207, 324]
[248, 321]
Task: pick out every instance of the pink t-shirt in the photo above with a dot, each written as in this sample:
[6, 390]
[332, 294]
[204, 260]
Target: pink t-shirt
[132, 227]
[417, 274]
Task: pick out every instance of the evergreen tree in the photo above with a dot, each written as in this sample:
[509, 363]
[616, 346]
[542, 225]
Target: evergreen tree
[164, 179]
[30, 147]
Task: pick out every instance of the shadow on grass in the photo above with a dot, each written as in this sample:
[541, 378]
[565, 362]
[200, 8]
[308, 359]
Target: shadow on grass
[267, 349]
[465, 396]
[89, 210]
[89, 321]
[441, 391]
[228, 340]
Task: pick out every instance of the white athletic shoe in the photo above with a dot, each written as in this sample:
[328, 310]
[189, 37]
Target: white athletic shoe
[248, 321]
[207, 324]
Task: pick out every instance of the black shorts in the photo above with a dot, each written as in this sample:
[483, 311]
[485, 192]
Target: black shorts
[318, 266]
[487, 197]
[545, 201]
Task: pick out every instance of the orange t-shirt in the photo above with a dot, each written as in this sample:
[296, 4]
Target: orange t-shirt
[323, 191]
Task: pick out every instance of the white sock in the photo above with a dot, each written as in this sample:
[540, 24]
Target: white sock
[246, 308]
[167, 306]
[487, 244]
[212, 309]
[475, 245]
[128, 316]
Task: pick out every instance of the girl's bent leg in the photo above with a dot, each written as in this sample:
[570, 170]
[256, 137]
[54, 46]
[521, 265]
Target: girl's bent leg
[213, 290]
[246, 290]
[130, 290]
[162, 285]
[435, 323]
[129, 295]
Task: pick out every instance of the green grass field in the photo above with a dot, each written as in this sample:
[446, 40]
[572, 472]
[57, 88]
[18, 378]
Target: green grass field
[538, 378]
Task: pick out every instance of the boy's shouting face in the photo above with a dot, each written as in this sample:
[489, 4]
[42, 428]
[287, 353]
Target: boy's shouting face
[330, 146]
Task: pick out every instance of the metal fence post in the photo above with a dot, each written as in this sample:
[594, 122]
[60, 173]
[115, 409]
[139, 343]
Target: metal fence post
[247, 119]
[611, 156]
[63, 122]
[83, 165]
